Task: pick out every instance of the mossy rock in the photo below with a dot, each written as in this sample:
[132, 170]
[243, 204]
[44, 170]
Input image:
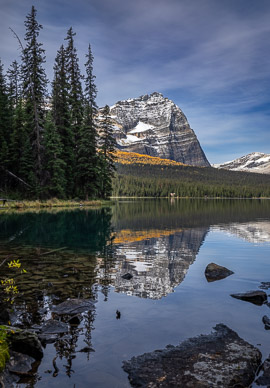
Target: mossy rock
[4, 352]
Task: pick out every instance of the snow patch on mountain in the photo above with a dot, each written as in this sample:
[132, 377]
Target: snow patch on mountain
[254, 162]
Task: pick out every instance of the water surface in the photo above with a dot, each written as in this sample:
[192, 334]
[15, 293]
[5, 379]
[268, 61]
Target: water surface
[165, 245]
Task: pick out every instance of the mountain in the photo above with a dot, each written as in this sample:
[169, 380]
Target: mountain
[155, 126]
[254, 162]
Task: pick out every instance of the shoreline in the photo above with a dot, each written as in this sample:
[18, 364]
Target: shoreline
[49, 204]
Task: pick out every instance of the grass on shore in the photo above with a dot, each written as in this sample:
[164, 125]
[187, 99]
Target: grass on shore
[49, 203]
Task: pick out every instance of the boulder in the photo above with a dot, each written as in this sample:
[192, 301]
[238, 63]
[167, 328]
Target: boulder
[220, 359]
[26, 342]
[20, 364]
[256, 297]
[215, 272]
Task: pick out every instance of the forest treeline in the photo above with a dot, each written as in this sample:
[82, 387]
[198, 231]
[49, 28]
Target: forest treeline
[51, 144]
[150, 180]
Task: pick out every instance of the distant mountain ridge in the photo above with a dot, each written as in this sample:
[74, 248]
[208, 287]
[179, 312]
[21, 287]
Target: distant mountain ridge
[253, 162]
[153, 125]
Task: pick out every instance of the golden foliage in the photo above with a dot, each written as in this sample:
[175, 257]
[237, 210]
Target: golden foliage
[128, 235]
[134, 158]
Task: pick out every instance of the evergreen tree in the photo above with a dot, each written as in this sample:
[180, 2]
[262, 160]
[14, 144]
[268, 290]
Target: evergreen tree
[34, 90]
[62, 117]
[14, 87]
[5, 121]
[87, 168]
[106, 155]
[18, 138]
[54, 164]
[75, 87]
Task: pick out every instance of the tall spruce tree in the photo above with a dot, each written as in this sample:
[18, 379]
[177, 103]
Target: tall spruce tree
[106, 154]
[87, 165]
[62, 117]
[34, 92]
[75, 87]
[5, 121]
[54, 164]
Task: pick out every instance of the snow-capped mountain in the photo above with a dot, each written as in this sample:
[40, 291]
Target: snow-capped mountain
[155, 126]
[254, 162]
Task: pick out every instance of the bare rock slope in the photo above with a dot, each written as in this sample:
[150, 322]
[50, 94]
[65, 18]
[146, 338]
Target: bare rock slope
[154, 125]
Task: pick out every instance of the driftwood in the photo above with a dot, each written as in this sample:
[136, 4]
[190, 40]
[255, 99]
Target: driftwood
[16, 177]
[54, 250]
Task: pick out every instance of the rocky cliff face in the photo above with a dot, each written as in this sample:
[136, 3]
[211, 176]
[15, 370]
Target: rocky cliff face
[254, 162]
[154, 125]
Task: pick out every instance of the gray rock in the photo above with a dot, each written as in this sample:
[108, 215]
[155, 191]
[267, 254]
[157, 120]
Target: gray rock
[54, 327]
[154, 125]
[266, 322]
[215, 272]
[265, 378]
[26, 342]
[73, 307]
[20, 364]
[256, 297]
[220, 359]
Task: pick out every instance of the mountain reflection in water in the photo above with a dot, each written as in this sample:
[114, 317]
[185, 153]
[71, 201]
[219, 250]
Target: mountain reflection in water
[156, 241]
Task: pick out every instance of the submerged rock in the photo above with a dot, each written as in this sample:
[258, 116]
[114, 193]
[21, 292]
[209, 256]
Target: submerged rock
[256, 297]
[54, 327]
[266, 322]
[215, 272]
[264, 285]
[265, 378]
[73, 307]
[127, 276]
[220, 359]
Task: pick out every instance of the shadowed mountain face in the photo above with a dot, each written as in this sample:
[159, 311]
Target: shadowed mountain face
[154, 125]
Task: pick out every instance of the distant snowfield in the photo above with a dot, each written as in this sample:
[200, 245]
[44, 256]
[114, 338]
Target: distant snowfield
[254, 162]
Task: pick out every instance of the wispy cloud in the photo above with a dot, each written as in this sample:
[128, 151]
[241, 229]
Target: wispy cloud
[211, 57]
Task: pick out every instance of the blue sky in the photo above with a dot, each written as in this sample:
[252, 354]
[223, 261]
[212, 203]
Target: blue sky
[211, 57]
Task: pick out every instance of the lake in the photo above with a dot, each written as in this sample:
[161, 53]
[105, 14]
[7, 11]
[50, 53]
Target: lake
[165, 245]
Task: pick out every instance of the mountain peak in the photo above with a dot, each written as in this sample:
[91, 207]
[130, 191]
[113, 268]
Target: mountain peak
[254, 162]
[154, 125]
